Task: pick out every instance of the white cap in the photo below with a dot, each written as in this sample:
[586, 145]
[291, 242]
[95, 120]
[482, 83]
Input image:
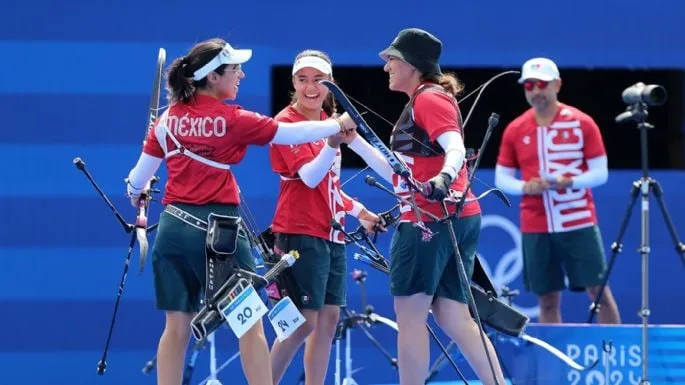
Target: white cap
[228, 55]
[312, 62]
[539, 68]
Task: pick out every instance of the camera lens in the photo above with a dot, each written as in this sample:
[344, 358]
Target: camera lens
[652, 95]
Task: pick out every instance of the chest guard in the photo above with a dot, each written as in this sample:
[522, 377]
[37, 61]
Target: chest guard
[408, 137]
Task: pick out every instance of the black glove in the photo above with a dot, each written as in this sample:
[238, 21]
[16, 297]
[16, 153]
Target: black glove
[440, 186]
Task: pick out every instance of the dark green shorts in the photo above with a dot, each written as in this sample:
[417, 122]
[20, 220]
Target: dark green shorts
[551, 257]
[318, 276]
[418, 266]
[178, 258]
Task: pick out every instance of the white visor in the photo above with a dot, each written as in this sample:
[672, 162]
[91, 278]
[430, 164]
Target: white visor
[312, 62]
[227, 55]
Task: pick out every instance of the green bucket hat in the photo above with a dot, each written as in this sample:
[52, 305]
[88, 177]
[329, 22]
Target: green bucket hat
[418, 48]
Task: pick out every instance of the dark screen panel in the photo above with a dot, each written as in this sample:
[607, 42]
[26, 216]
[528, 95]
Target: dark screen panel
[595, 91]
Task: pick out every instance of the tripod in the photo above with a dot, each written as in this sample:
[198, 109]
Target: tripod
[642, 187]
[352, 320]
[361, 321]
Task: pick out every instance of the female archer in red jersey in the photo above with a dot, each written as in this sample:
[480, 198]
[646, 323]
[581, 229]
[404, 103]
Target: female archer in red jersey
[310, 197]
[424, 275]
[201, 137]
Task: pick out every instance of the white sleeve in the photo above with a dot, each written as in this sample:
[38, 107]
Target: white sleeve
[305, 131]
[144, 170]
[357, 206]
[505, 180]
[312, 173]
[372, 157]
[596, 175]
[455, 152]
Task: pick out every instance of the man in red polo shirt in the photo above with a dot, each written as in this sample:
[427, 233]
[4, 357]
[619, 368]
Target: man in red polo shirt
[560, 154]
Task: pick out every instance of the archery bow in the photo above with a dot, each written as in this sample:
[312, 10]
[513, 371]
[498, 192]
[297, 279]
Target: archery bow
[146, 194]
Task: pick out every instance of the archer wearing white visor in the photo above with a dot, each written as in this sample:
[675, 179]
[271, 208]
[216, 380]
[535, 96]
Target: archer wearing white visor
[201, 138]
[310, 197]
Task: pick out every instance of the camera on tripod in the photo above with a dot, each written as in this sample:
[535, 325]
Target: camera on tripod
[652, 94]
[639, 97]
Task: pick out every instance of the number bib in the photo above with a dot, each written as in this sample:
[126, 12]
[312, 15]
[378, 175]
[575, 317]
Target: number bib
[285, 318]
[245, 310]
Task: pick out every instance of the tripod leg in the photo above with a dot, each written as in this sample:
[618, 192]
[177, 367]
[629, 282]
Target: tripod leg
[658, 193]
[439, 363]
[337, 361]
[644, 256]
[212, 355]
[190, 366]
[447, 356]
[220, 368]
[374, 341]
[616, 248]
[348, 359]
[150, 365]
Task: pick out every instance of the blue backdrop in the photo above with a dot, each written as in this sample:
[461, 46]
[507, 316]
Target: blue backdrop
[74, 81]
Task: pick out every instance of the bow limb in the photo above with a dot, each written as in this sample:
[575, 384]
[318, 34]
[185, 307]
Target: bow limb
[146, 195]
[558, 353]
[482, 88]
[455, 196]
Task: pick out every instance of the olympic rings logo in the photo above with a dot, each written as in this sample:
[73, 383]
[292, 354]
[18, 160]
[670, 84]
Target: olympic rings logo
[509, 267]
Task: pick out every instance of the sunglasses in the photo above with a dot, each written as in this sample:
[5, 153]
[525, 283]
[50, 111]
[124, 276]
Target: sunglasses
[530, 84]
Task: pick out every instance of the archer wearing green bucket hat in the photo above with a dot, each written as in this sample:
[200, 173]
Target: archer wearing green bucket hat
[425, 269]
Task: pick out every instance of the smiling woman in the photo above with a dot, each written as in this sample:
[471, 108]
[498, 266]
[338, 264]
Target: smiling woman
[310, 67]
[310, 175]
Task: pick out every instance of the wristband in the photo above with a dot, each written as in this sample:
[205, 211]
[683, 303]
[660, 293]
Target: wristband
[340, 123]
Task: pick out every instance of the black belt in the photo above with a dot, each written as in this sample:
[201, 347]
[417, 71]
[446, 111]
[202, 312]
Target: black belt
[186, 217]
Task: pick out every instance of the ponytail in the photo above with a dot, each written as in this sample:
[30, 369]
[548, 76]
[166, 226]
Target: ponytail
[449, 82]
[179, 85]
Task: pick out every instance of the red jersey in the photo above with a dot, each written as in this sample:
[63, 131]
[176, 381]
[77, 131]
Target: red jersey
[561, 149]
[214, 130]
[300, 209]
[436, 112]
